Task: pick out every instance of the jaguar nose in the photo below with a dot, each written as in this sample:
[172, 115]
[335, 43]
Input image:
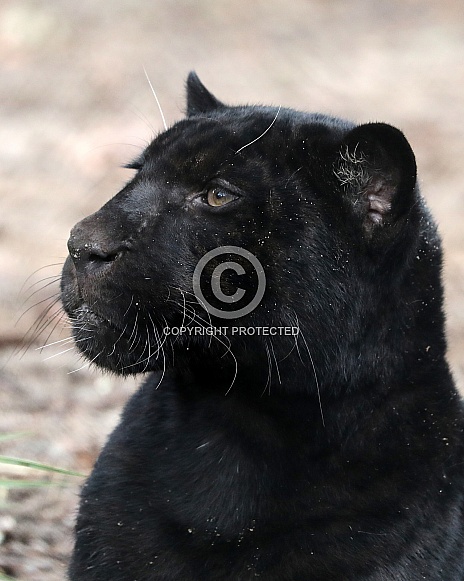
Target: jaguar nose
[91, 251]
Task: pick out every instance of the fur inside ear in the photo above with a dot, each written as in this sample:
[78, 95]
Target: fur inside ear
[376, 169]
[199, 99]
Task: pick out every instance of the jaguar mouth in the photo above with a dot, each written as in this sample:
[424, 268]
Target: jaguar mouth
[126, 348]
[102, 342]
[84, 314]
[124, 339]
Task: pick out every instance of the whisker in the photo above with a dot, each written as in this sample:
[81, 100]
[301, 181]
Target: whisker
[35, 330]
[117, 341]
[160, 343]
[148, 347]
[145, 120]
[128, 308]
[208, 323]
[315, 377]
[133, 335]
[59, 318]
[56, 277]
[156, 99]
[275, 359]
[86, 364]
[164, 369]
[269, 372]
[228, 349]
[54, 281]
[54, 343]
[45, 318]
[262, 134]
[57, 354]
[54, 295]
[35, 272]
[297, 324]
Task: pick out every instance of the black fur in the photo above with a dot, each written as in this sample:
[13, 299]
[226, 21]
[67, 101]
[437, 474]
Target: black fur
[332, 455]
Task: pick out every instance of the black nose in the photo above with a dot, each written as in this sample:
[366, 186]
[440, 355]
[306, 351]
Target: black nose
[91, 248]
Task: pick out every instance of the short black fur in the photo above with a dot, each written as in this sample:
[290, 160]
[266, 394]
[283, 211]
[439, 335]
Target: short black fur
[333, 454]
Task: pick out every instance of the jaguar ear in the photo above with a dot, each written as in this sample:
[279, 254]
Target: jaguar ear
[199, 99]
[376, 168]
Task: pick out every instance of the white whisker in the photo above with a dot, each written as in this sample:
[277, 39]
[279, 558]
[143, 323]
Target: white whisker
[315, 377]
[275, 359]
[86, 364]
[66, 339]
[156, 99]
[57, 354]
[269, 371]
[164, 369]
[262, 134]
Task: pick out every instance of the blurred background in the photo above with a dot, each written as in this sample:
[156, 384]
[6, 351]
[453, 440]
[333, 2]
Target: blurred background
[75, 105]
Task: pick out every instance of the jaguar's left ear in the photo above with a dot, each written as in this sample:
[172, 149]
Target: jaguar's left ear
[376, 169]
[199, 99]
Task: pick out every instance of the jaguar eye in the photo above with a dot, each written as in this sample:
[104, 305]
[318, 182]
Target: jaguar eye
[218, 197]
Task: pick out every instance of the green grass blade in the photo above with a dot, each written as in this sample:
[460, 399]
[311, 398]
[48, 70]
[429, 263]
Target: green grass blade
[4, 577]
[38, 466]
[14, 436]
[11, 484]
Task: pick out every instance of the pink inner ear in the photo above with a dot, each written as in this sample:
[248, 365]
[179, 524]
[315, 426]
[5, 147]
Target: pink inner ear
[379, 196]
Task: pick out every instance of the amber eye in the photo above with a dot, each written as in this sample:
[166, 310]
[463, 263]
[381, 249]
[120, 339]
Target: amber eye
[218, 197]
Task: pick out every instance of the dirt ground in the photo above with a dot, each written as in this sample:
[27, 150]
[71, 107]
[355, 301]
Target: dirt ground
[75, 105]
